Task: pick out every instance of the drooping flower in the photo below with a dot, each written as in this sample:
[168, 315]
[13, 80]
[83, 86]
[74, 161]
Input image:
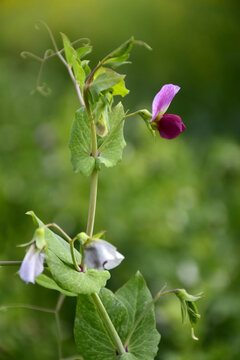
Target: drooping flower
[168, 125]
[32, 264]
[100, 254]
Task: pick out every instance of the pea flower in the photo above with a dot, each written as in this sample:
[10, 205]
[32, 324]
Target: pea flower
[100, 255]
[168, 125]
[32, 264]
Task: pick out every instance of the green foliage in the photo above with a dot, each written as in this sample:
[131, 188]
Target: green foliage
[104, 79]
[49, 283]
[76, 282]
[73, 59]
[80, 143]
[110, 147]
[59, 260]
[120, 55]
[110, 151]
[188, 306]
[56, 243]
[132, 317]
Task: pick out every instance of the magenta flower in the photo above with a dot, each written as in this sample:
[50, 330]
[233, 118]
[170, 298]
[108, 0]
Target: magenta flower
[168, 125]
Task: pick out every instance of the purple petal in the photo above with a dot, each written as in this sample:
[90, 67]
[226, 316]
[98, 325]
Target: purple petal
[163, 99]
[170, 126]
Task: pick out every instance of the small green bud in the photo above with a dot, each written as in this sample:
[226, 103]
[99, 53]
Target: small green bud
[101, 127]
[182, 294]
[188, 307]
[39, 238]
[82, 238]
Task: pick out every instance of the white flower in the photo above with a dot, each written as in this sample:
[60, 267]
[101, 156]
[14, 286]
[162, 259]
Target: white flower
[100, 255]
[32, 264]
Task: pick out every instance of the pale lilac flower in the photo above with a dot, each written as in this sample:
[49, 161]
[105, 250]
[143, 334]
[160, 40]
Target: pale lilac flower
[100, 255]
[32, 264]
[168, 125]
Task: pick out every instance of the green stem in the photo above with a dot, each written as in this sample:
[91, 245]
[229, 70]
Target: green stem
[7, 263]
[92, 210]
[73, 255]
[132, 114]
[92, 202]
[108, 324]
[24, 306]
[59, 229]
[71, 242]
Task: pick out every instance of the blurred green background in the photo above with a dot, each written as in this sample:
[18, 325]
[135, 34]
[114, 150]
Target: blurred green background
[172, 207]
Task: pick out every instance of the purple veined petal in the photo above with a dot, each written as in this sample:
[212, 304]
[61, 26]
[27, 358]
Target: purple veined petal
[100, 255]
[170, 126]
[32, 264]
[163, 99]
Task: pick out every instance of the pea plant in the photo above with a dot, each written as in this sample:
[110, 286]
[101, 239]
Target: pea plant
[107, 326]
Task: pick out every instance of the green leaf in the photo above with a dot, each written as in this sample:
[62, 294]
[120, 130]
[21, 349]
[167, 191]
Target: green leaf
[115, 62]
[124, 308]
[110, 151]
[76, 282]
[143, 337]
[47, 282]
[91, 338]
[74, 61]
[55, 243]
[120, 89]
[79, 72]
[123, 49]
[80, 143]
[83, 51]
[86, 67]
[105, 79]
[70, 52]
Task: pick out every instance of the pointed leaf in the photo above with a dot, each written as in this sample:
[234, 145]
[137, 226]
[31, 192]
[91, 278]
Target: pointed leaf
[144, 338]
[124, 309]
[79, 72]
[80, 143]
[70, 52]
[123, 49]
[83, 51]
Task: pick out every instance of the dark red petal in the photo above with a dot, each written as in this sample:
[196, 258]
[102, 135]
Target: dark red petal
[170, 126]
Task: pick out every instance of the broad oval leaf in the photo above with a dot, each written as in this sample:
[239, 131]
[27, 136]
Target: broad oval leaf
[76, 282]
